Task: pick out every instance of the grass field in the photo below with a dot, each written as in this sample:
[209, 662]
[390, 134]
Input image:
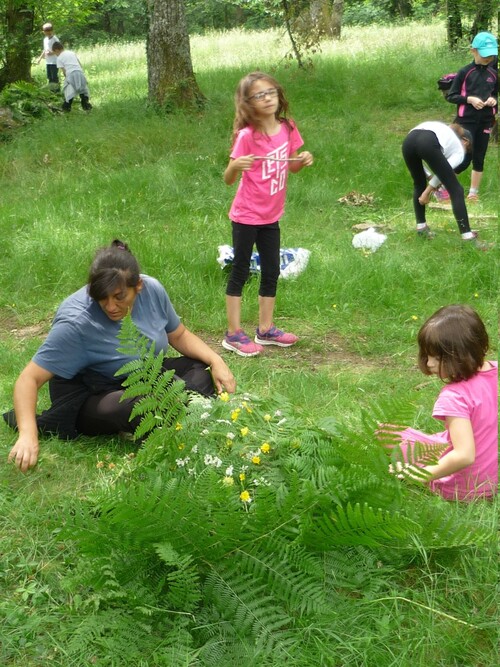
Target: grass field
[72, 183]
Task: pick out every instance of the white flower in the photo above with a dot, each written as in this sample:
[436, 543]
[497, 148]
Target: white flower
[229, 471]
[224, 421]
[205, 431]
[230, 436]
[210, 460]
[278, 413]
[182, 462]
[281, 421]
[194, 449]
[205, 415]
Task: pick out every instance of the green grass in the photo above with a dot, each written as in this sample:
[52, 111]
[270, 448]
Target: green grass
[73, 183]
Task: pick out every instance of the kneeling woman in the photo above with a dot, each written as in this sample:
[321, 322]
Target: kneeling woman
[80, 357]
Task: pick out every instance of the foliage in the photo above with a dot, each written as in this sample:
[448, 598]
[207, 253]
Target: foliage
[28, 101]
[220, 538]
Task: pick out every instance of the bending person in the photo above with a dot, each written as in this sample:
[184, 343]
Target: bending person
[80, 357]
[443, 148]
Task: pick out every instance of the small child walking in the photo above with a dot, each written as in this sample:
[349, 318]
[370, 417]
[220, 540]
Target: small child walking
[75, 82]
[49, 38]
[475, 92]
[452, 345]
[265, 149]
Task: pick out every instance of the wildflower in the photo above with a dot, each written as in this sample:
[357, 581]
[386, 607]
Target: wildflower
[205, 431]
[265, 448]
[235, 414]
[181, 446]
[100, 464]
[476, 295]
[334, 305]
[229, 471]
[210, 460]
[182, 462]
[229, 442]
[178, 427]
[194, 449]
[245, 497]
[224, 396]
[111, 466]
[205, 415]
[242, 476]
[414, 317]
[278, 413]
[256, 460]
[227, 481]
[230, 436]
[244, 431]
[267, 418]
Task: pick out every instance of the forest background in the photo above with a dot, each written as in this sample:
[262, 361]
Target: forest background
[72, 183]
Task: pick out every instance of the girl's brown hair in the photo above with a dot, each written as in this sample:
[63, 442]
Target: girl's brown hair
[113, 268]
[457, 337]
[464, 135]
[245, 111]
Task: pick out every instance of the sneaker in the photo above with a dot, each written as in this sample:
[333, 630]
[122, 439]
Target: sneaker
[426, 232]
[442, 195]
[240, 343]
[480, 245]
[275, 337]
[472, 197]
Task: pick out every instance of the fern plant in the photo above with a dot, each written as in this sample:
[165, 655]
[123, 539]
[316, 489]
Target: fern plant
[237, 529]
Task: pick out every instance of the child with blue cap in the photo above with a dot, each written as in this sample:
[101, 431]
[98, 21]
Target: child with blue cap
[475, 92]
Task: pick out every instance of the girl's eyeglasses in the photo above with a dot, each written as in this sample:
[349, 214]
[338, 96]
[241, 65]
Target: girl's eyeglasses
[271, 92]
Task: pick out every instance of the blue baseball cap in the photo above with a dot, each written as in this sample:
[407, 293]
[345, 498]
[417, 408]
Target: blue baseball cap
[486, 44]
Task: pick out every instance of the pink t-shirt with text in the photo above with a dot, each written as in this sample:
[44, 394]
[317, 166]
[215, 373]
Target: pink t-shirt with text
[260, 197]
[475, 399]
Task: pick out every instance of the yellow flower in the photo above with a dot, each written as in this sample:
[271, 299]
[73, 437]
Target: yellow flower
[244, 431]
[181, 446]
[334, 305]
[227, 481]
[265, 448]
[224, 396]
[178, 427]
[100, 464]
[267, 418]
[414, 317]
[229, 442]
[245, 497]
[235, 414]
[476, 295]
[242, 477]
[256, 460]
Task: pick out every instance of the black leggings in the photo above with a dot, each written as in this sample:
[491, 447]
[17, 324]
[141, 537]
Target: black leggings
[267, 240]
[105, 414]
[423, 145]
[480, 139]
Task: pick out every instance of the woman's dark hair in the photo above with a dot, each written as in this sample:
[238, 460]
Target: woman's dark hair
[113, 268]
[457, 337]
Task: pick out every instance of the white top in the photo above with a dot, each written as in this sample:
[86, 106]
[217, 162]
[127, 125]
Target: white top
[69, 61]
[47, 46]
[450, 143]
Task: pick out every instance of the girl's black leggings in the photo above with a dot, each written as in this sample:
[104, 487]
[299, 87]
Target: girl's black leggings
[480, 139]
[423, 146]
[267, 240]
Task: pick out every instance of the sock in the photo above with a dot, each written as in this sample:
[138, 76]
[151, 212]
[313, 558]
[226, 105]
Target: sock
[421, 225]
[467, 235]
[473, 191]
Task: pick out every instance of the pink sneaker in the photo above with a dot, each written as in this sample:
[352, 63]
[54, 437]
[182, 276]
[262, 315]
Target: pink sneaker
[240, 343]
[275, 337]
[442, 195]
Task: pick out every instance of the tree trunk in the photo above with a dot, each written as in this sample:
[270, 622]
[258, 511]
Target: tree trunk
[483, 17]
[453, 22]
[336, 20]
[18, 23]
[171, 81]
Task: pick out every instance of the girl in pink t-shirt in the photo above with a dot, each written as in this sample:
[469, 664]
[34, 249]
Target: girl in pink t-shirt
[265, 149]
[452, 345]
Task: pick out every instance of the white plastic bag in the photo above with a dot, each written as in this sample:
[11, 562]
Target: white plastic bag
[369, 240]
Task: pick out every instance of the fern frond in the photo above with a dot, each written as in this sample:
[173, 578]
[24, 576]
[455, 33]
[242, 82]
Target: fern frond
[358, 525]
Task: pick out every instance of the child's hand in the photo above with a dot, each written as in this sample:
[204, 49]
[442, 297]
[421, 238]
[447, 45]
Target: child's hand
[306, 159]
[244, 163]
[476, 102]
[490, 102]
[424, 198]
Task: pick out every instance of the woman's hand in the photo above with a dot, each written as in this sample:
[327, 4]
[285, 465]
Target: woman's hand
[222, 376]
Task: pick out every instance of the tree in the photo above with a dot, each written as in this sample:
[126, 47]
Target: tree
[171, 80]
[18, 20]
